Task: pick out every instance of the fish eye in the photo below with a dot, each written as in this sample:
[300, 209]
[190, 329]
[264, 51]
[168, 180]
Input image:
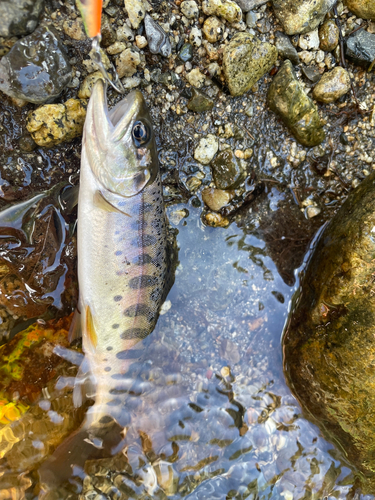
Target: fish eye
[141, 133]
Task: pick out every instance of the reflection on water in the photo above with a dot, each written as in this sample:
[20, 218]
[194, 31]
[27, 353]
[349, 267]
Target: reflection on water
[209, 413]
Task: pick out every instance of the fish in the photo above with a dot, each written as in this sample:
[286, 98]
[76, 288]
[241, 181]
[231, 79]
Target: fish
[122, 269]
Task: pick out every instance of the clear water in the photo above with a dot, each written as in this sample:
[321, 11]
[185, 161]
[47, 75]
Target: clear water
[210, 414]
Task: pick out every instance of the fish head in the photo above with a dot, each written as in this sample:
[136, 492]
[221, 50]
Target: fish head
[120, 144]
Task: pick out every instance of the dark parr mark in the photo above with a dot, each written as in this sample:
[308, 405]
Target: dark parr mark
[137, 310]
[146, 240]
[134, 333]
[142, 282]
[116, 325]
[142, 259]
[117, 298]
[107, 369]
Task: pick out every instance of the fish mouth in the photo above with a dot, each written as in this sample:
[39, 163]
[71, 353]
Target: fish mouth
[122, 114]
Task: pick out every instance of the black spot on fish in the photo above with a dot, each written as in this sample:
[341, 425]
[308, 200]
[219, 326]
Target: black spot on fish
[137, 310]
[127, 354]
[142, 259]
[146, 207]
[117, 298]
[134, 333]
[107, 369]
[116, 325]
[145, 241]
[109, 348]
[116, 392]
[142, 282]
[155, 295]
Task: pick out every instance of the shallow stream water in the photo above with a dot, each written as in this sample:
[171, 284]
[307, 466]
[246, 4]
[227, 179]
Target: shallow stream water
[209, 413]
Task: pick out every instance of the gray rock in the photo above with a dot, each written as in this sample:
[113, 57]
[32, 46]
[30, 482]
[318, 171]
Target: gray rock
[245, 60]
[285, 48]
[360, 48]
[287, 98]
[157, 39]
[48, 69]
[301, 16]
[19, 17]
[186, 52]
[247, 5]
[311, 73]
[251, 19]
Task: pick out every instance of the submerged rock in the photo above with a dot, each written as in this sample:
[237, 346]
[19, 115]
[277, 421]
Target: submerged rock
[157, 39]
[216, 199]
[37, 67]
[301, 16]
[19, 17]
[365, 9]
[56, 123]
[329, 341]
[245, 60]
[332, 85]
[287, 98]
[360, 48]
[227, 170]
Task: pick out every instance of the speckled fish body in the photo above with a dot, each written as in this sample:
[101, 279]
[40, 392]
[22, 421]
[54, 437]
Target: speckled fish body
[121, 238]
[122, 270]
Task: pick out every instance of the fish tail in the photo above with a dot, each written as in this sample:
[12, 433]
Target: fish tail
[86, 443]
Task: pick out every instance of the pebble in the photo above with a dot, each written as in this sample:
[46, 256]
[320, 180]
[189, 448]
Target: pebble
[116, 48]
[312, 211]
[287, 98]
[301, 16]
[206, 149]
[216, 199]
[245, 60]
[19, 17]
[157, 39]
[195, 37]
[332, 85]
[227, 170]
[364, 9]
[136, 11]
[329, 36]
[88, 83]
[247, 5]
[199, 102]
[74, 29]
[127, 62]
[309, 41]
[360, 48]
[227, 9]
[186, 52]
[285, 48]
[312, 73]
[37, 68]
[140, 41]
[213, 29]
[53, 124]
[108, 33]
[196, 78]
[251, 19]
[216, 220]
[189, 8]
[124, 33]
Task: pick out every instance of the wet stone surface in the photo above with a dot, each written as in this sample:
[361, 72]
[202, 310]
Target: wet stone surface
[37, 68]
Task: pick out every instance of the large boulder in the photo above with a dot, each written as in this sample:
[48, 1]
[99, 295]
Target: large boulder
[329, 343]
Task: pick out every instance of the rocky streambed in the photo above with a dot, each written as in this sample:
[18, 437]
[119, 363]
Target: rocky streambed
[261, 138]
